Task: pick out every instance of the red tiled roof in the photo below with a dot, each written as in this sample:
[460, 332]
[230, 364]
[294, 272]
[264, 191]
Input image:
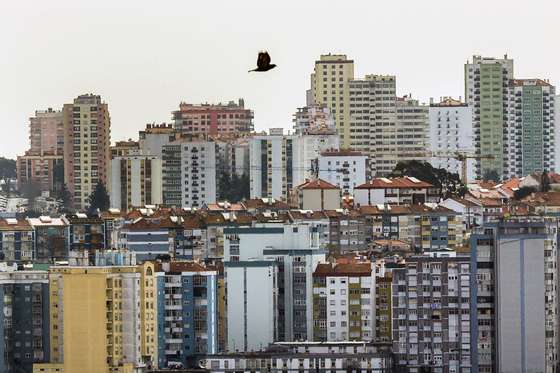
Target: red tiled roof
[490, 202]
[258, 203]
[543, 198]
[225, 206]
[316, 184]
[398, 182]
[20, 225]
[343, 269]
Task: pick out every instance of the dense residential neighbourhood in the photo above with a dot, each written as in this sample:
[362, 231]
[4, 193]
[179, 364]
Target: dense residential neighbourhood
[340, 246]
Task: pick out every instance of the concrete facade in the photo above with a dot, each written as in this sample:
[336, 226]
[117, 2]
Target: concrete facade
[87, 140]
[135, 182]
[451, 131]
[329, 87]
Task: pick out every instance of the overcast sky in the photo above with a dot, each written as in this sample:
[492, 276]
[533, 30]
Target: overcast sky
[144, 57]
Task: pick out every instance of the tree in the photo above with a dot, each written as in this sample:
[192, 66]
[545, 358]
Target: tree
[31, 190]
[234, 188]
[523, 192]
[99, 198]
[491, 175]
[66, 198]
[545, 182]
[449, 184]
[7, 172]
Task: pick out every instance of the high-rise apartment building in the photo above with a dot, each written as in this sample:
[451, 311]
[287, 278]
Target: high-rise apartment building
[87, 140]
[451, 132]
[213, 119]
[557, 130]
[516, 300]
[531, 141]
[279, 162]
[388, 128]
[189, 173]
[486, 91]
[43, 163]
[46, 132]
[251, 298]
[24, 330]
[135, 181]
[154, 137]
[122, 148]
[96, 322]
[344, 302]
[313, 117]
[431, 313]
[188, 313]
[329, 87]
[372, 114]
[293, 249]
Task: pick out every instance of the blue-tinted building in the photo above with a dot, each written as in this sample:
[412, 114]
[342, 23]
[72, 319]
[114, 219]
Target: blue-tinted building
[17, 240]
[24, 330]
[190, 314]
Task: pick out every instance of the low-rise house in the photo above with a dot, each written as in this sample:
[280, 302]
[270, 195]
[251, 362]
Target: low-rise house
[316, 195]
[401, 190]
[17, 240]
[51, 239]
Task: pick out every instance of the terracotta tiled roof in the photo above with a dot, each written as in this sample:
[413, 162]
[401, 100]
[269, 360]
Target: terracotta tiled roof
[398, 182]
[12, 224]
[341, 153]
[306, 215]
[543, 198]
[490, 202]
[464, 202]
[265, 203]
[386, 210]
[225, 206]
[316, 184]
[343, 269]
[148, 224]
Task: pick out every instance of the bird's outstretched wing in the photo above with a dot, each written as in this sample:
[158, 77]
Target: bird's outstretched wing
[263, 60]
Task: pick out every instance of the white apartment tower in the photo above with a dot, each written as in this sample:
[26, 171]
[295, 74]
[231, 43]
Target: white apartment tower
[344, 168]
[189, 173]
[451, 132]
[279, 162]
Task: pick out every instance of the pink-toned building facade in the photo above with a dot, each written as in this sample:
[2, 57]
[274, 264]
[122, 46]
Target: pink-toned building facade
[213, 119]
[43, 162]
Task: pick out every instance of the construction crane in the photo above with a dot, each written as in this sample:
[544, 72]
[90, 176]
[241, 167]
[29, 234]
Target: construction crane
[462, 157]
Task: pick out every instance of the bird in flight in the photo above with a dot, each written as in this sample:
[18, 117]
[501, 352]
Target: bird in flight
[263, 62]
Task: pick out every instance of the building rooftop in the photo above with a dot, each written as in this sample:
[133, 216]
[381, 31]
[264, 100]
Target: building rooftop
[342, 269]
[341, 153]
[395, 183]
[46, 221]
[13, 224]
[316, 184]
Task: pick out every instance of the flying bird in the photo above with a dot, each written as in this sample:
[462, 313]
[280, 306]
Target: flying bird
[263, 62]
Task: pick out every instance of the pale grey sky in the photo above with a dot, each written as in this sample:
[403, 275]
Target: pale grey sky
[144, 57]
